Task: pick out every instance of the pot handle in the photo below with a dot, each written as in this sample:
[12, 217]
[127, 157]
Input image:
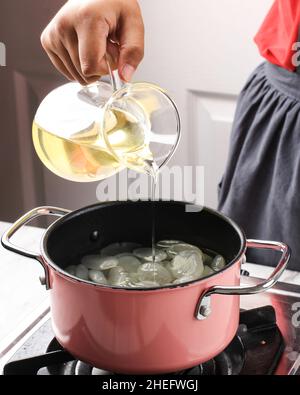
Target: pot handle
[31, 215]
[203, 309]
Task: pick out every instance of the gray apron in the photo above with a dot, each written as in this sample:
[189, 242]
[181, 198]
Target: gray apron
[260, 189]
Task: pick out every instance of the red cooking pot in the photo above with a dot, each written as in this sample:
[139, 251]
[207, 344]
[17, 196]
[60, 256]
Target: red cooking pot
[145, 331]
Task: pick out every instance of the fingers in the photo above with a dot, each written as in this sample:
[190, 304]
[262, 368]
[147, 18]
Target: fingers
[64, 55]
[70, 44]
[62, 60]
[92, 43]
[131, 45]
[68, 63]
[58, 64]
[112, 52]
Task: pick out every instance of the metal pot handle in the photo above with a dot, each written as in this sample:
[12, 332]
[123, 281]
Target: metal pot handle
[31, 215]
[203, 309]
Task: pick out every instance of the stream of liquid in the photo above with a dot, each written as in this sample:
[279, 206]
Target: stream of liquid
[154, 178]
[152, 170]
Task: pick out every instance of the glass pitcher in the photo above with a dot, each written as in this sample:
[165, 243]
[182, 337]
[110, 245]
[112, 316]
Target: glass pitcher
[89, 133]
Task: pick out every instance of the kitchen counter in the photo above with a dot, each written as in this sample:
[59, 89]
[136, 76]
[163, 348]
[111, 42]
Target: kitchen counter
[21, 295]
[289, 276]
[23, 299]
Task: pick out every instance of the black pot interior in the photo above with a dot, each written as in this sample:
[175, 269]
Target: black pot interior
[89, 229]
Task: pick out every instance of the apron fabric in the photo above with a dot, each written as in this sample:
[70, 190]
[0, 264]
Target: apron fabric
[261, 185]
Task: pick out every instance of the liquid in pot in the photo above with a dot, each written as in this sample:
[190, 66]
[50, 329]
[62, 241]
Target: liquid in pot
[130, 265]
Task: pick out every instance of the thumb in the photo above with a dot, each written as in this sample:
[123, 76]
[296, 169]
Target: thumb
[131, 47]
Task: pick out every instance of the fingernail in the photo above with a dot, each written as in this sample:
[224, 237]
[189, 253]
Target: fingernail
[127, 72]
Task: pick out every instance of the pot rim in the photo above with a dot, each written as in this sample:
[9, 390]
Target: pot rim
[49, 262]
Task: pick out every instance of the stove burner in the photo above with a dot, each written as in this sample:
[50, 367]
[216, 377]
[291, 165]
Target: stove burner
[228, 362]
[256, 349]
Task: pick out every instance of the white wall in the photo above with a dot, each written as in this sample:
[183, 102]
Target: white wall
[201, 51]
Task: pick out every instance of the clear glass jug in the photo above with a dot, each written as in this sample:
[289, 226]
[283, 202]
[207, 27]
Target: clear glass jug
[90, 133]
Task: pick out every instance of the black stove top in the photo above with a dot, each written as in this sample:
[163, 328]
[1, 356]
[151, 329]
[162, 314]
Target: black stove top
[255, 350]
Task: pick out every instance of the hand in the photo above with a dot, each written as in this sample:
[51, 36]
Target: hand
[84, 31]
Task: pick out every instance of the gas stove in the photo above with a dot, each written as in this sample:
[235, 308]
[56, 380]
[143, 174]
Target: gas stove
[267, 342]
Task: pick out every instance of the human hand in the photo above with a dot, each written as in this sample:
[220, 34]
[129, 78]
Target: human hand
[83, 31]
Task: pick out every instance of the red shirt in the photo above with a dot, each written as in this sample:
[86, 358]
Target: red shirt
[278, 33]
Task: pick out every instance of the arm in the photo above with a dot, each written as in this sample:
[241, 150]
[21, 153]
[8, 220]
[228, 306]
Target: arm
[81, 33]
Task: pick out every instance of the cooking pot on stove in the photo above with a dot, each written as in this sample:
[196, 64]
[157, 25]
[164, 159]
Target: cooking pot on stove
[143, 331]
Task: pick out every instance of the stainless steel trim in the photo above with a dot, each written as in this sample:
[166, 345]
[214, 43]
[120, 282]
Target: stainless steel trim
[31, 215]
[246, 290]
